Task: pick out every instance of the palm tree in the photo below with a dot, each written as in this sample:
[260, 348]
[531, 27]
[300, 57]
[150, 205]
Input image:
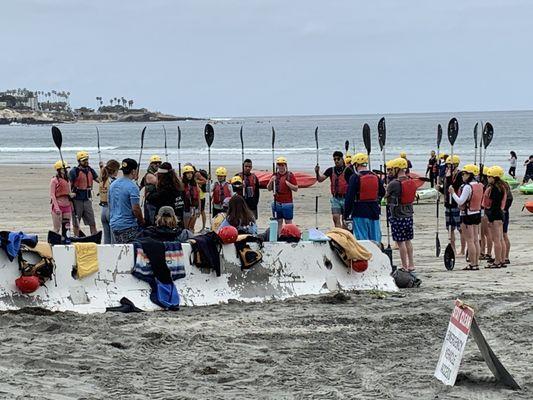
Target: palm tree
[130, 103]
[111, 102]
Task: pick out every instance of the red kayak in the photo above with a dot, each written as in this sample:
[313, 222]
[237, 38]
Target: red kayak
[419, 182]
[529, 206]
[304, 180]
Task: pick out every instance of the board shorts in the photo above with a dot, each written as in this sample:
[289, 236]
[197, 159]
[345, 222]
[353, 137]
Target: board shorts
[84, 211]
[453, 218]
[367, 229]
[337, 205]
[127, 235]
[505, 221]
[402, 229]
[283, 210]
[471, 219]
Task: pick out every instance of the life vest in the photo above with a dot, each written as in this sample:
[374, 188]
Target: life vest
[408, 192]
[250, 185]
[84, 179]
[192, 195]
[368, 187]
[221, 191]
[487, 201]
[104, 190]
[338, 186]
[62, 187]
[43, 268]
[474, 203]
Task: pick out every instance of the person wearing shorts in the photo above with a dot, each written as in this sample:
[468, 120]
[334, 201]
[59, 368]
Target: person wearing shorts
[338, 186]
[401, 193]
[81, 179]
[282, 184]
[452, 213]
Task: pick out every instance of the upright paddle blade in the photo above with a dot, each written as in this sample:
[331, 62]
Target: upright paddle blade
[142, 146]
[347, 146]
[366, 138]
[57, 137]
[98, 144]
[382, 133]
[316, 142]
[273, 137]
[242, 140]
[209, 134]
[437, 245]
[166, 148]
[179, 150]
[475, 134]
[439, 135]
[488, 133]
[179, 137]
[453, 130]
[449, 257]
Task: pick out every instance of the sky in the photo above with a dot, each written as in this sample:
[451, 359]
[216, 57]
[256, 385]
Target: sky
[280, 57]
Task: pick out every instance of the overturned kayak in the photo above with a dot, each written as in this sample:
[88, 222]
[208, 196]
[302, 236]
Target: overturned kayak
[427, 194]
[526, 189]
[304, 180]
[287, 270]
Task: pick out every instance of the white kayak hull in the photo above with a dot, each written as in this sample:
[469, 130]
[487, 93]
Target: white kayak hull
[287, 270]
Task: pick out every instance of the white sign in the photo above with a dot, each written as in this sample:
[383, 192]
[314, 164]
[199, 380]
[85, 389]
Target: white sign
[454, 343]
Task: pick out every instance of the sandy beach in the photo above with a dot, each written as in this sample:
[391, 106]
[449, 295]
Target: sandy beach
[368, 345]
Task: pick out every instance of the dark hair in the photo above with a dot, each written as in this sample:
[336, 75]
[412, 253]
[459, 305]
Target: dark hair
[247, 161]
[110, 168]
[338, 154]
[187, 181]
[167, 180]
[513, 154]
[238, 212]
[498, 183]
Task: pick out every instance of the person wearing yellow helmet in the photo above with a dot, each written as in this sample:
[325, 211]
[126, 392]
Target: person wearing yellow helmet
[236, 185]
[250, 186]
[401, 193]
[365, 190]
[108, 174]
[403, 155]
[221, 190]
[494, 202]
[149, 177]
[191, 197]
[452, 214]
[338, 186]
[432, 168]
[282, 183]
[468, 199]
[60, 199]
[81, 180]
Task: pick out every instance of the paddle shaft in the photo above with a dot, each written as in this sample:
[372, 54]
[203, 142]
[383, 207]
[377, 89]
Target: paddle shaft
[316, 212]
[179, 151]
[166, 149]
[98, 144]
[274, 214]
[242, 165]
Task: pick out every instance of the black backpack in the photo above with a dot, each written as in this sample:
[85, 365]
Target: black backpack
[206, 251]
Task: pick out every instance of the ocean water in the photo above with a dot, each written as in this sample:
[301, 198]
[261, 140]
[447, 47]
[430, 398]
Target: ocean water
[413, 133]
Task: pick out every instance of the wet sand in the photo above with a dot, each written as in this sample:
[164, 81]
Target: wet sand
[371, 346]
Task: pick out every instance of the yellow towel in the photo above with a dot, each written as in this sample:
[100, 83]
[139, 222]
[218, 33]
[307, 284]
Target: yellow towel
[86, 258]
[345, 239]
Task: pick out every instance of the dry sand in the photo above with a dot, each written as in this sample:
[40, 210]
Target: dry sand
[371, 346]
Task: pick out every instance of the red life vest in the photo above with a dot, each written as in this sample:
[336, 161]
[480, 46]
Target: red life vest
[474, 203]
[487, 201]
[62, 187]
[408, 195]
[368, 187]
[192, 194]
[250, 183]
[84, 179]
[338, 184]
[221, 192]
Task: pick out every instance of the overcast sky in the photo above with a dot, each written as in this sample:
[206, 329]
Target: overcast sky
[279, 57]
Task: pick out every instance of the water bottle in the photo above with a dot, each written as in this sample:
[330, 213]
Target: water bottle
[273, 227]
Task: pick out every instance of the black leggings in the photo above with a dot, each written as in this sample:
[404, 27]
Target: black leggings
[512, 172]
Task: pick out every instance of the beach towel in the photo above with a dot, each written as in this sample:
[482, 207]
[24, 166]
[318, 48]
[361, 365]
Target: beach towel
[86, 259]
[347, 247]
[144, 253]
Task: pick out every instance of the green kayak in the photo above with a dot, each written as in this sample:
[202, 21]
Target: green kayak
[526, 189]
[513, 183]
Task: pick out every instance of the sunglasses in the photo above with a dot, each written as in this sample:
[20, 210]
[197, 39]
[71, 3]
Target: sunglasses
[337, 158]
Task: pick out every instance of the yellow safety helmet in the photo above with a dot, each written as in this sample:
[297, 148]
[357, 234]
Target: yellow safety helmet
[221, 171]
[360, 158]
[485, 170]
[348, 159]
[281, 160]
[389, 164]
[443, 156]
[496, 171]
[60, 164]
[82, 155]
[403, 154]
[188, 168]
[236, 179]
[456, 160]
[471, 169]
[400, 163]
[155, 158]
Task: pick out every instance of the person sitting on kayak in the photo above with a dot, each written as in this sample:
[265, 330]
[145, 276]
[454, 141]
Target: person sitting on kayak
[401, 193]
[282, 183]
[338, 186]
[365, 191]
[240, 217]
[468, 198]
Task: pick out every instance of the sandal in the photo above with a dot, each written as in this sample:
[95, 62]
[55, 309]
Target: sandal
[471, 267]
[507, 262]
[493, 266]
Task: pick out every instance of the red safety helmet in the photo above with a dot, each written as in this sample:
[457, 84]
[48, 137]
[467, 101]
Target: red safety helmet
[228, 234]
[359, 265]
[28, 284]
[291, 230]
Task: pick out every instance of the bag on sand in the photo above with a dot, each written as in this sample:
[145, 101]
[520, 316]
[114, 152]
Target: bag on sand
[405, 280]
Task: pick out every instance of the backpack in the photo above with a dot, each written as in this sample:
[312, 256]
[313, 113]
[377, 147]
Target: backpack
[405, 280]
[205, 251]
[165, 295]
[43, 268]
[247, 256]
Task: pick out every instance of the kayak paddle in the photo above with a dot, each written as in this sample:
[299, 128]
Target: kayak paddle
[475, 143]
[141, 153]
[98, 145]
[382, 138]
[242, 161]
[488, 134]
[367, 142]
[166, 150]
[449, 253]
[179, 151]
[439, 140]
[274, 214]
[209, 136]
[316, 141]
